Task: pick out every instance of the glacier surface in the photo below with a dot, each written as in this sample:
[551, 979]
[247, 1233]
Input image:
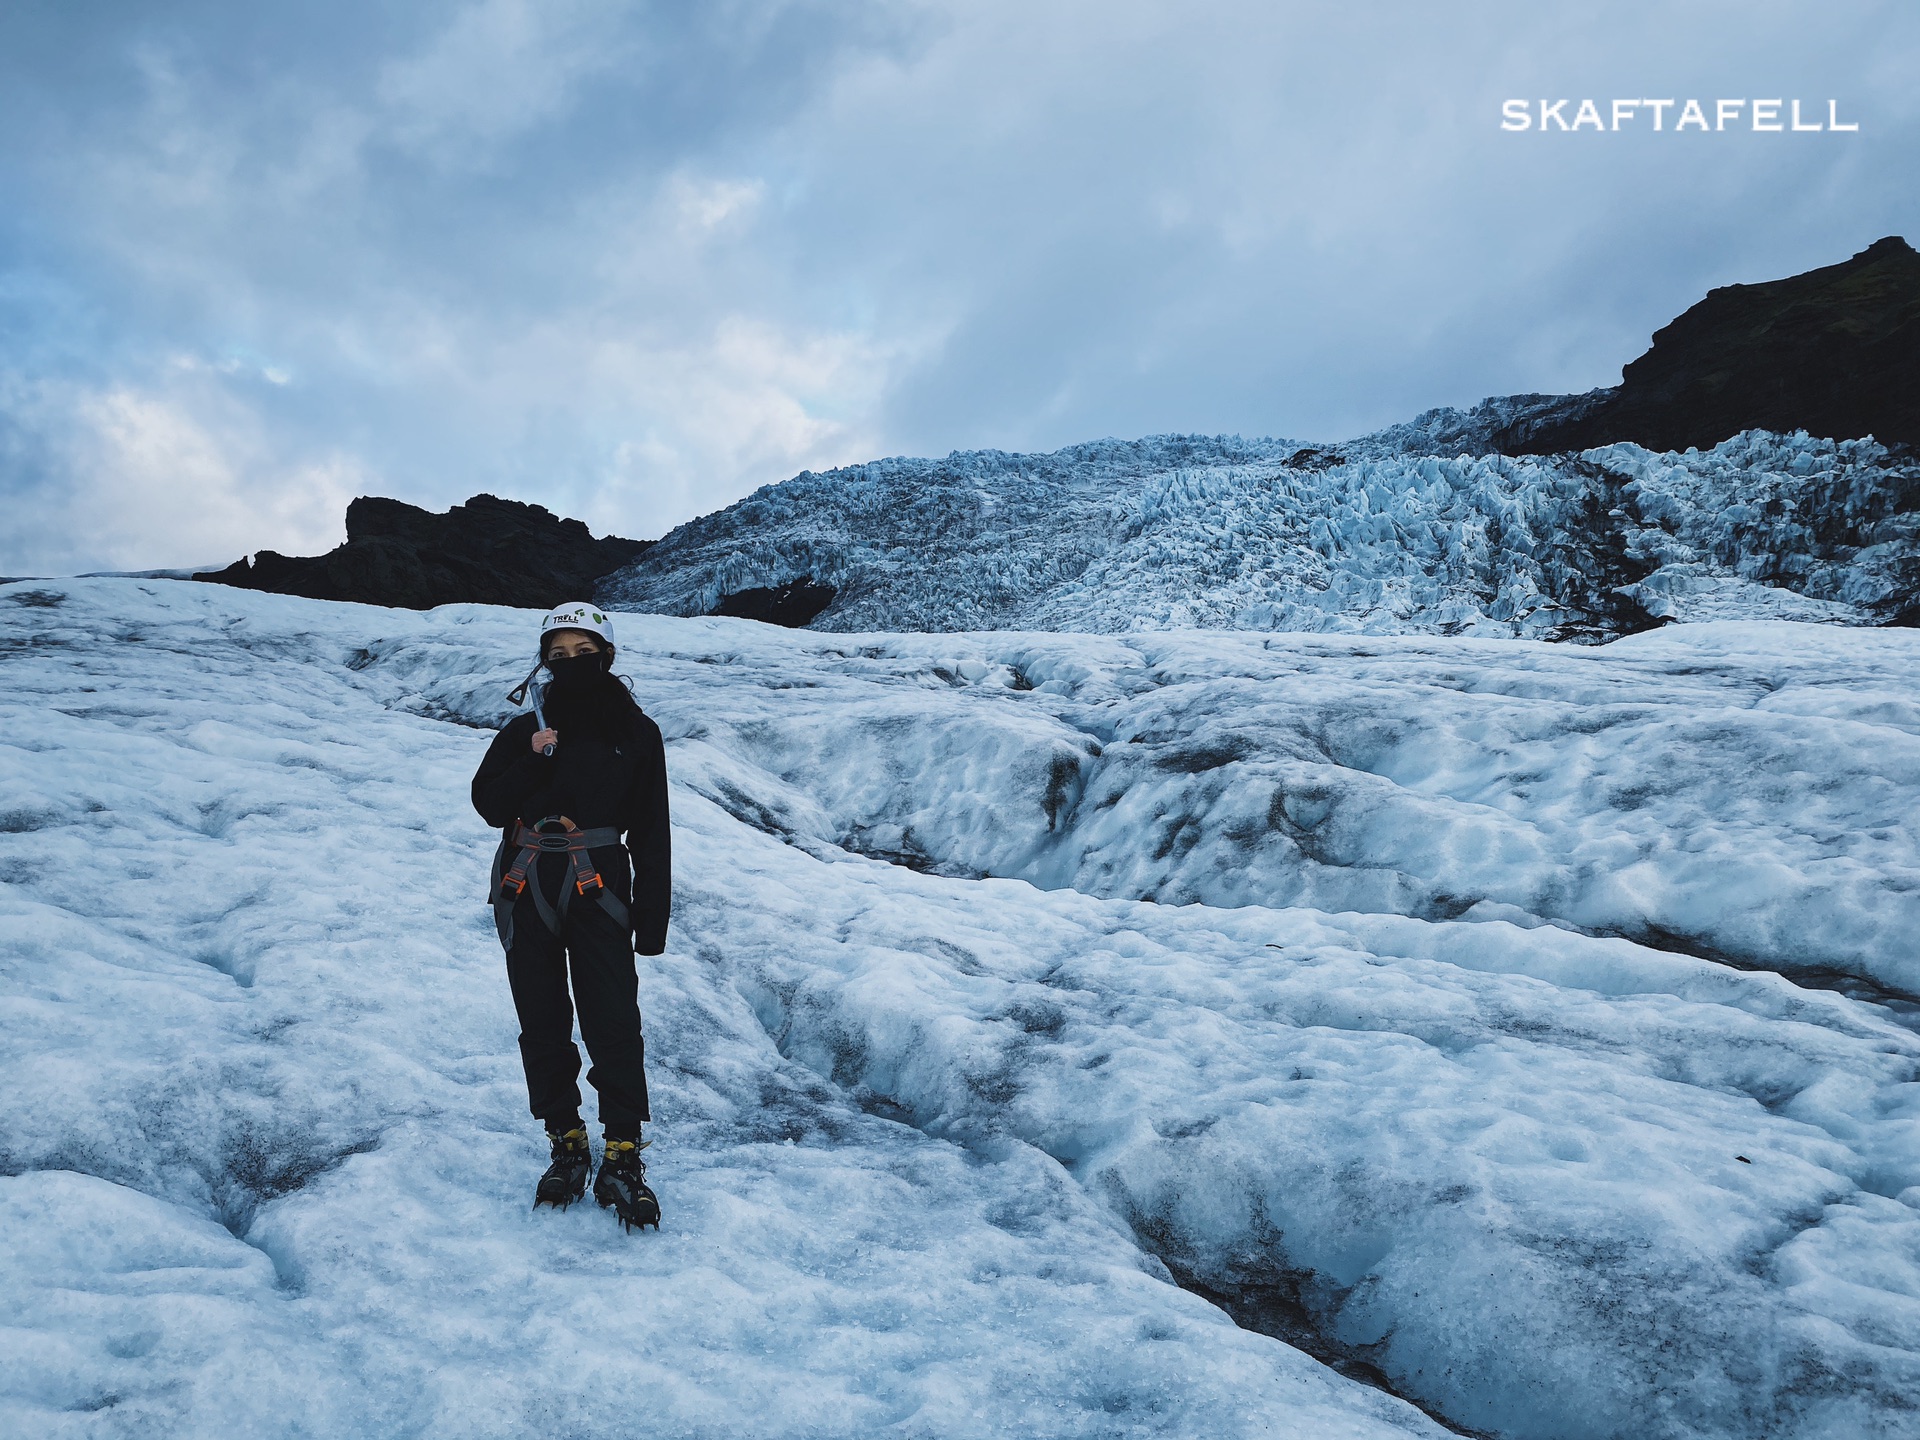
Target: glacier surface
[1059, 1035]
[1414, 530]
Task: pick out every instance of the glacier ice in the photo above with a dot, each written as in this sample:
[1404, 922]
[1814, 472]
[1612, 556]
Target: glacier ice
[1414, 530]
[1529, 1028]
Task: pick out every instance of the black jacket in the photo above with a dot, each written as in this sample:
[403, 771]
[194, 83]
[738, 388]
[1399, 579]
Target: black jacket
[594, 783]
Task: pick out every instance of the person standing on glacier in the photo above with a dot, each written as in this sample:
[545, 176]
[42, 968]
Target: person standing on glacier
[565, 783]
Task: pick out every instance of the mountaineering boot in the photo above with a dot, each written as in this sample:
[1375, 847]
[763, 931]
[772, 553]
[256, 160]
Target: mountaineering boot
[566, 1178]
[622, 1183]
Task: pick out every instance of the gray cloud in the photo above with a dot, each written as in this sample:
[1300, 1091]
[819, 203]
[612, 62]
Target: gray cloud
[633, 261]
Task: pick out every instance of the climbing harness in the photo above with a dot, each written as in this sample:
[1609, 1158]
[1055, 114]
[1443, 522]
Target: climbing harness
[554, 835]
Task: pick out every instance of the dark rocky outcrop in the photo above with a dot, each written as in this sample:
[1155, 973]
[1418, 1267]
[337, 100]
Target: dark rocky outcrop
[488, 551]
[1834, 352]
[793, 605]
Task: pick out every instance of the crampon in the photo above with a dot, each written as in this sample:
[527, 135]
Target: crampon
[565, 1180]
[622, 1185]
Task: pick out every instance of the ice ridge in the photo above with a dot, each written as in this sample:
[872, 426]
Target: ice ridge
[1422, 528]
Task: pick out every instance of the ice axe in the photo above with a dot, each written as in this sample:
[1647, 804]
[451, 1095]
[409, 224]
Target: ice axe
[520, 692]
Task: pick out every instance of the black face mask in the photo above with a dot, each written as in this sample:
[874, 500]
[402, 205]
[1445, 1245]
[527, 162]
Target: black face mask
[576, 674]
[584, 700]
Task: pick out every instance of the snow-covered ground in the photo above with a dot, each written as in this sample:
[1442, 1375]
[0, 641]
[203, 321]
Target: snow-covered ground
[1529, 1028]
[1415, 530]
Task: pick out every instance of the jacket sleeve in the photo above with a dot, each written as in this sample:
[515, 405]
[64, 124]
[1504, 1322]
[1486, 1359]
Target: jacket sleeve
[509, 774]
[649, 839]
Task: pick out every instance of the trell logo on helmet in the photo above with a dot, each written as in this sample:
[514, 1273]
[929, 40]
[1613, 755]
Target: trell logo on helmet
[580, 615]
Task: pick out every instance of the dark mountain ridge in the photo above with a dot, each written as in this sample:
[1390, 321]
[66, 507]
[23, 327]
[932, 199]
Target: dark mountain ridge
[488, 551]
[1834, 352]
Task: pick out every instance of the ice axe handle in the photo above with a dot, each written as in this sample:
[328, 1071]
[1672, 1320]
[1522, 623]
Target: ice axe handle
[540, 722]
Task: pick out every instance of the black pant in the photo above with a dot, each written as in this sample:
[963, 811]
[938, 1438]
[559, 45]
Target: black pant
[607, 989]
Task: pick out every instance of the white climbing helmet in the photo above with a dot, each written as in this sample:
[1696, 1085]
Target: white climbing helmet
[577, 615]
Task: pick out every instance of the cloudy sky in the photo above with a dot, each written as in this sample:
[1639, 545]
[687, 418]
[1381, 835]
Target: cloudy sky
[632, 261]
